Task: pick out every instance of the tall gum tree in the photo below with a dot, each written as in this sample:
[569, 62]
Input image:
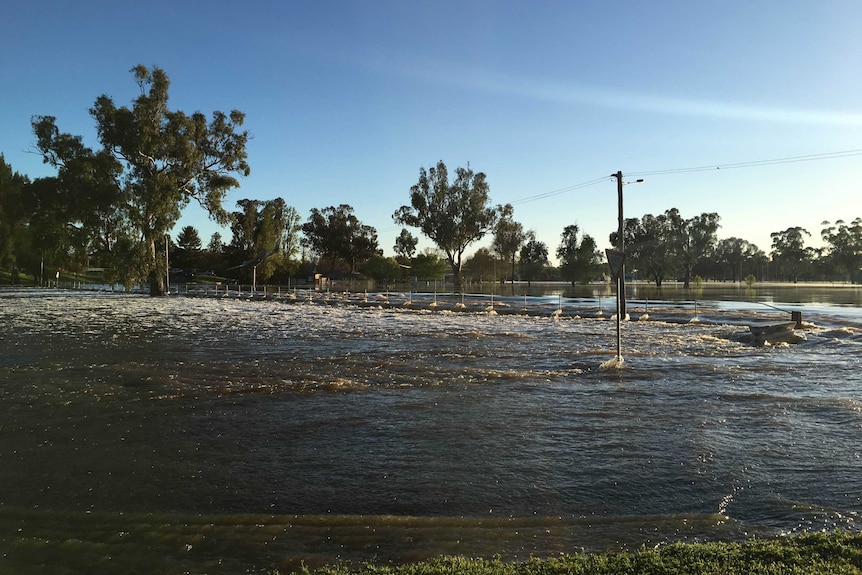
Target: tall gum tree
[844, 242]
[509, 236]
[579, 257]
[694, 239]
[339, 238]
[790, 253]
[167, 159]
[13, 216]
[453, 216]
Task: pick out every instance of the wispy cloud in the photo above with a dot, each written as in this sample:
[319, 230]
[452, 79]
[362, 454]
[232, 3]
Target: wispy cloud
[537, 89]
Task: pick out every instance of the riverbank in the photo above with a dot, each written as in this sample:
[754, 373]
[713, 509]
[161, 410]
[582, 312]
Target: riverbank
[833, 553]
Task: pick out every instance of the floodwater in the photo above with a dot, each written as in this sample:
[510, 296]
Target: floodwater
[238, 434]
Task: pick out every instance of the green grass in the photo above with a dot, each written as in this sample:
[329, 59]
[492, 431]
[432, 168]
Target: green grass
[23, 279]
[813, 554]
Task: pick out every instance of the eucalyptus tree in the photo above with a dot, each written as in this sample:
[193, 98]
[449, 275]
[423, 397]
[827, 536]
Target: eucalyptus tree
[649, 246]
[428, 265]
[405, 245]
[382, 269]
[533, 258]
[14, 214]
[280, 227]
[693, 239]
[667, 243]
[790, 253]
[509, 236]
[481, 266]
[738, 256]
[161, 159]
[339, 238]
[844, 243]
[86, 197]
[453, 216]
[579, 257]
[264, 232]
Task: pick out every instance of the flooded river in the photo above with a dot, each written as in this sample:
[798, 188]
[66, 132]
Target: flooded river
[238, 434]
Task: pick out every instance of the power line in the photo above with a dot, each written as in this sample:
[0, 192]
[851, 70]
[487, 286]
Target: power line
[753, 164]
[544, 195]
[750, 164]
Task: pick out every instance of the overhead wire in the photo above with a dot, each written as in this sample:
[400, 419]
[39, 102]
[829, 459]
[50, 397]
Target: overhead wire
[544, 195]
[754, 163]
[749, 164]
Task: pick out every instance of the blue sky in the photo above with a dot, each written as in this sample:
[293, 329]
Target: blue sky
[346, 100]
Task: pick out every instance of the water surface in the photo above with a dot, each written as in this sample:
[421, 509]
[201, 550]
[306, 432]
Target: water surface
[217, 435]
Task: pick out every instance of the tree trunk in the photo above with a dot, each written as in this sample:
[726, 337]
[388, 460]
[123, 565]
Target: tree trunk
[156, 278]
[456, 276]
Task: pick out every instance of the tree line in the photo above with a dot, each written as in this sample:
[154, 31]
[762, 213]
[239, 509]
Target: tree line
[113, 208]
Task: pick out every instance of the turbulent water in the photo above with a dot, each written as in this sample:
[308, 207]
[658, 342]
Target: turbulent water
[225, 435]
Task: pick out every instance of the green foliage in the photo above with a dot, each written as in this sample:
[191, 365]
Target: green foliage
[509, 236]
[693, 239]
[812, 554]
[216, 244]
[579, 259]
[665, 244]
[267, 231]
[428, 266]
[481, 266]
[648, 246]
[189, 239]
[339, 239]
[382, 269]
[13, 214]
[405, 245]
[154, 161]
[533, 258]
[789, 252]
[738, 254]
[845, 248]
[187, 253]
[750, 280]
[85, 209]
[454, 215]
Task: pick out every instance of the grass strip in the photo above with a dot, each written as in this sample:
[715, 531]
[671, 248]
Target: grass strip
[834, 553]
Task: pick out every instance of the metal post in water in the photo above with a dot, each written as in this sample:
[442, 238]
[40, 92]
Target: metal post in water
[619, 332]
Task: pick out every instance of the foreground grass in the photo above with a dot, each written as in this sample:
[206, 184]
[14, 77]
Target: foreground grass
[812, 554]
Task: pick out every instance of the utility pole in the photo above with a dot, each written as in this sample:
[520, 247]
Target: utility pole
[617, 261]
[621, 280]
